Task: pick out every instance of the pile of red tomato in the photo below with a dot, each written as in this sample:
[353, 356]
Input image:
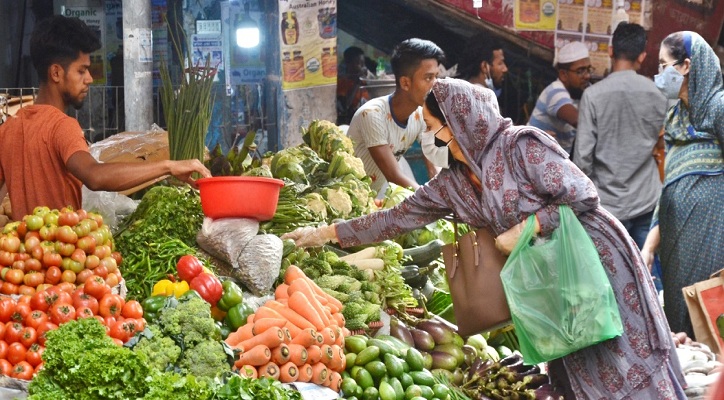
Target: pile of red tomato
[48, 247]
[25, 321]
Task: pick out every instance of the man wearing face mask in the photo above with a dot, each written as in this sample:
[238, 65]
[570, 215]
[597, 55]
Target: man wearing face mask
[484, 63]
[556, 110]
[384, 128]
[619, 120]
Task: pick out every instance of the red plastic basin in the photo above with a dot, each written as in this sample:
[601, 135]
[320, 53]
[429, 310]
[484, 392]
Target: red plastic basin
[239, 196]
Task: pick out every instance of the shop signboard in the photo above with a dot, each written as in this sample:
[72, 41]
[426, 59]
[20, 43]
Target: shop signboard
[94, 17]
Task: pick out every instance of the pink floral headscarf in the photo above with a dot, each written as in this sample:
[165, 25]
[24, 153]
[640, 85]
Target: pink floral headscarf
[472, 113]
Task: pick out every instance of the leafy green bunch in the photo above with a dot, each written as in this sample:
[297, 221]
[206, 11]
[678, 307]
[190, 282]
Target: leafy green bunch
[82, 363]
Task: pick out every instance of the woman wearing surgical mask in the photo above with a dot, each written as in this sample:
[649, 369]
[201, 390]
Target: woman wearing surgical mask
[688, 228]
[496, 176]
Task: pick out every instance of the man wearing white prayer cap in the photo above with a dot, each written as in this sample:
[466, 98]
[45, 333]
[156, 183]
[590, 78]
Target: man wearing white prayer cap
[556, 110]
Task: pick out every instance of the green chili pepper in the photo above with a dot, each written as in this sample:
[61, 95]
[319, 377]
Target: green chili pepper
[231, 295]
[236, 316]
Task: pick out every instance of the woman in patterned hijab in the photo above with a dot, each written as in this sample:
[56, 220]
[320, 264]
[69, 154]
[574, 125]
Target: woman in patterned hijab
[688, 229]
[501, 174]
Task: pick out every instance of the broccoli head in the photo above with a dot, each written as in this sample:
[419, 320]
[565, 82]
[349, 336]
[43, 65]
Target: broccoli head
[160, 351]
[206, 359]
[191, 319]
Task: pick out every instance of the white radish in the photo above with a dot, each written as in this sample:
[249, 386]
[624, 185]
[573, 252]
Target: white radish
[363, 254]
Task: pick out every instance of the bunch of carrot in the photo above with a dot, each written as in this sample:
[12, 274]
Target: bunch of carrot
[297, 337]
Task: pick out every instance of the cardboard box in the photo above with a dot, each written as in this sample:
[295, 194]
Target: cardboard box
[133, 147]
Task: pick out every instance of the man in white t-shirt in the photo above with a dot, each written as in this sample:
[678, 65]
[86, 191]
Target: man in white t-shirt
[556, 110]
[385, 127]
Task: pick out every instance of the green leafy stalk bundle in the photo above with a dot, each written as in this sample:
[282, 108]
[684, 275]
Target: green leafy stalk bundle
[188, 108]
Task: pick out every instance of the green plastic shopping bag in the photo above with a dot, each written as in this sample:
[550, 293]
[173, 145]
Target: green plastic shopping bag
[559, 296]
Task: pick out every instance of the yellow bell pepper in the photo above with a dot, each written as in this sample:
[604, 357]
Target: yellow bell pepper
[161, 287]
[180, 288]
[167, 288]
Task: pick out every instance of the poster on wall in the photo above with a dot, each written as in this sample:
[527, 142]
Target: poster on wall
[207, 45]
[308, 37]
[94, 17]
[599, 15]
[634, 9]
[160, 38]
[535, 15]
[570, 15]
[114, 42]
[598, 50]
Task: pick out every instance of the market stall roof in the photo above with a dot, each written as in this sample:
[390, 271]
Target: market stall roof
[384, 23]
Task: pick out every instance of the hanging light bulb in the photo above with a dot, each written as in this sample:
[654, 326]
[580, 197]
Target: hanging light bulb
[247, 32]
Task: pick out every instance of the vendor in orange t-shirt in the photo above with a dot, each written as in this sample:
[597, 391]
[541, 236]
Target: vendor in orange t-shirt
[44, 157]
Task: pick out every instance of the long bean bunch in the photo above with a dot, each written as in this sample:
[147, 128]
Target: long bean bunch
[187, 108]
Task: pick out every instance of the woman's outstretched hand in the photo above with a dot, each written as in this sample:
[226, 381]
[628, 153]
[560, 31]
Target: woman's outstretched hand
[308, 236]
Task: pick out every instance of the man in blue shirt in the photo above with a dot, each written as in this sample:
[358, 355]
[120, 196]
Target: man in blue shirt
[556, 110]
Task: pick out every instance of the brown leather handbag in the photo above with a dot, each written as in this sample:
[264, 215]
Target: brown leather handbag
[473, 265]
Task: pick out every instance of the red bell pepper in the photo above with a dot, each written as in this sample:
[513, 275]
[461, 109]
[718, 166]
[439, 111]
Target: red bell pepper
[189, 267]
[208, 286]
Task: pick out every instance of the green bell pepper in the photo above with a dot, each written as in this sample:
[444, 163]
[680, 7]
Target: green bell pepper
[189, 294]
[225, 329]
[236, 316]
[230, 296]
[152, 306]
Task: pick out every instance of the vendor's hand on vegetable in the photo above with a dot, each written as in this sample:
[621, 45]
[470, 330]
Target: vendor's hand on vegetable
[308, 236]
[506, 241]
[184, 169]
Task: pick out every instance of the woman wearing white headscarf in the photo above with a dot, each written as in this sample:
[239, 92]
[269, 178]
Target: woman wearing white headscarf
[494, 176]
[688, 228]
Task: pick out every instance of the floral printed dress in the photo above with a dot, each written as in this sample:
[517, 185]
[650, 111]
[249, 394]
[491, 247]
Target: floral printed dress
[524, 171]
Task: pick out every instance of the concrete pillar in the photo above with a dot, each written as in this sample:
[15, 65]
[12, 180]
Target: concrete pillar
[138, 64]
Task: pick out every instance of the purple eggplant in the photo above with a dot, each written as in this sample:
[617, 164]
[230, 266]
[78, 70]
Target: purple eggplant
[535, 381]
[399, 330]
[529, 370]
[475, 365]
[458, 377]
[422, 339]
[441, 333]
[481, 369]
[452, 349]
[443, 360]
[548, 392]
[513, 359]
[470, 354]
